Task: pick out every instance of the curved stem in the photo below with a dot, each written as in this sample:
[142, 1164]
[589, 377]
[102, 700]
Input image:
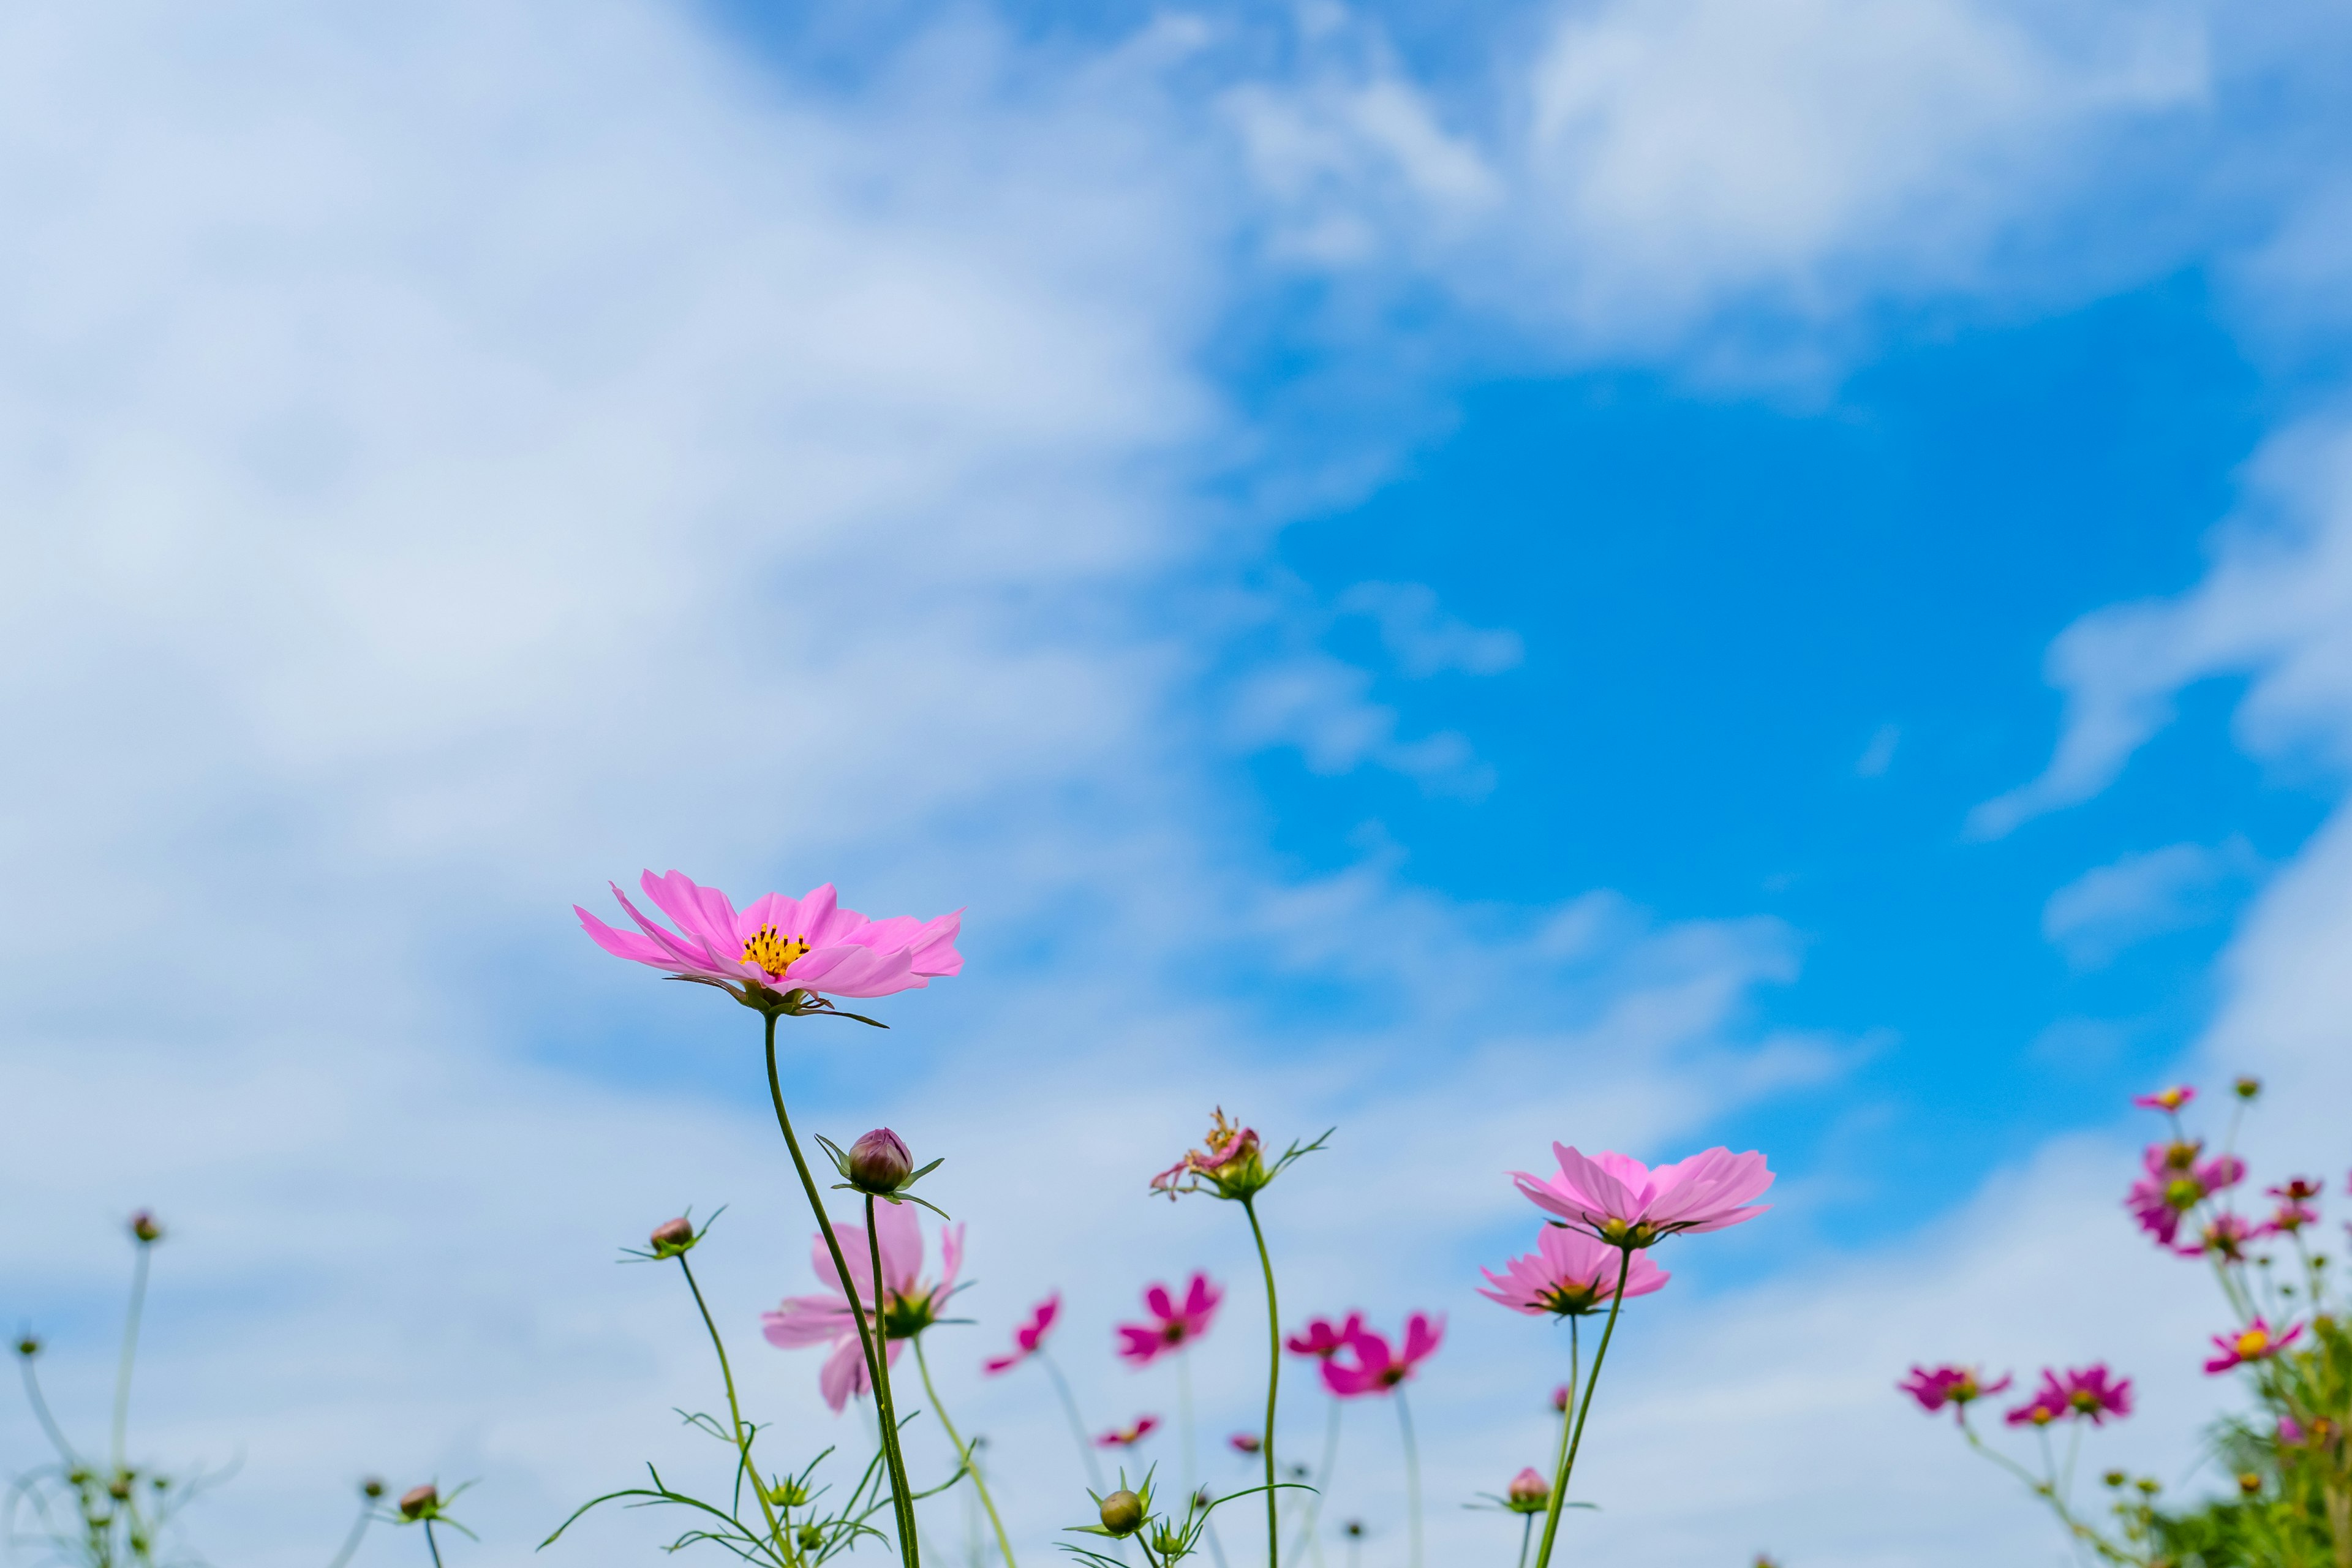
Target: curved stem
[963, 1455]
[735, 1416]
[130, 1351]
[905, 1513]
[41, 1411]
[1411, 1476]
[885, 1404]
[431, 1545]
[351, 1541]
[1305, 1538]
[1575, 1440]
[1077, 1423]
[1272, 1383]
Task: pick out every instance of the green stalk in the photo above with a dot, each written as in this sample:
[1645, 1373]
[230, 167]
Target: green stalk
[1305, 1538]
[1078, 1422]
[963, 1455]
[1576, 1441]
[431, 1545]
[743, 1465]
[130, 1351]
[1411, 1475]
[886, 1406]
[1273, 1382]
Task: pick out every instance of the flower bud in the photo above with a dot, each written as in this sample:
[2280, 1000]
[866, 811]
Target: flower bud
[2249, 1483]
[143, 1227]
[1244, 1442]
[1528, 1490]
[810, 1538]
[1122, 1512]
[788, 1493]
[673, 1236]
[1560, 1398]
[28, 1346]
[372, 1488]
[2248, 1087]
[1354, 1528]
[2115, 1477]
[418, 1502]
[2149, 1485]
[119, 1488]
[880, 1162]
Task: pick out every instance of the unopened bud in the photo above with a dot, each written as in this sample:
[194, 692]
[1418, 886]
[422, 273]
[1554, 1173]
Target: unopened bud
[28, 1346]
[788, 1493]
[119, 1488]
[418, 1502]
[372, 1488]
[673, 1236]
[1122, 1512]
[2248, 1087]
[1560, 1398]
[143, 1227]
[1354, 1528]
[880, 1162]
[1244, 1443]
[2249, 1483]
[1528, 1490]
[2115, 1477]
[2149, 1485]
[810, 1538]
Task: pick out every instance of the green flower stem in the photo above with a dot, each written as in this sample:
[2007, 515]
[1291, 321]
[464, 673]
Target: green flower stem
[130, 1351]
[1273, 1382]
[1527, 1534]
[902, 1510]
[359, 1532]
[886, 1406]
[1077, 1423]
[742, 1435]
[1305, 1538]
[1576, 1440]
[1411, 1475]
[963, 1454]
[41, 1411]
[431, 1545]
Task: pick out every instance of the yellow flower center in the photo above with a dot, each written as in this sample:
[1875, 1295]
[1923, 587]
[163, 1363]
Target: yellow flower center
[2253, 1342]
[775, 953]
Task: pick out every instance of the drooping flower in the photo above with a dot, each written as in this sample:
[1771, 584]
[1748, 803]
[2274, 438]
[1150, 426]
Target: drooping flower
[1128, 1436]
[910, 1304]
[1570, 1275]
[1370, 1365]
[2048, 1405]
[1029, 1338]
[1323, 1338]
[1628, 1204]
[2256, 1341]
[1936, 1387]
[2093, 1393]
[780, 953]
[2166, 1100]
[1173, 1325]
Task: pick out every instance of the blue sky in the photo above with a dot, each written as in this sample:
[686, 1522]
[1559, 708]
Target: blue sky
[1643, 575]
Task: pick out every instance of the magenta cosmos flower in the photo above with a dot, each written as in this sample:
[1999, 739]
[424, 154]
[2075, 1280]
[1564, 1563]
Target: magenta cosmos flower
[1127, 1437]
[1570, 1275]
[2256, 1341]
[1172, 1326]
[1958, 1386]
[1324, 1339]
[2091, 1393]
[779, 944]
[1628, 1204]
[2166, 1100]
[1029, 1338]
[1370, 1364]
[910, 1305]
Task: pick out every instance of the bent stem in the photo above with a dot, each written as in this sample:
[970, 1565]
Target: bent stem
[1575, 1440]
[359, 1532]
[1077, 1423]
[734, 1414]
[130, 1351]
[900, 1508]
[1411, 1476]
[963, 1455]
[1273, 1382]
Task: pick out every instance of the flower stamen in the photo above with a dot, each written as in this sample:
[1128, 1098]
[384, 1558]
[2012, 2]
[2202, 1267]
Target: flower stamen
[774, 953]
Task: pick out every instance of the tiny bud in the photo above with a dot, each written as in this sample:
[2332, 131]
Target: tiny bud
[1204, 1500]
[810, 1538]
[1354, 1528]
[143, 1227]
[673, 1236]
[119, 1486]
[880, 1162]
[1122, 1512]
[418, 1502]
[2249, 1483]
[788, 1493]
[2248, 1087]
[1529, 1490]
[2149, 1485]
[1560, 1398]
[1244, 1443]
[372, 1488]
[2115, 1477]
[28, 1347]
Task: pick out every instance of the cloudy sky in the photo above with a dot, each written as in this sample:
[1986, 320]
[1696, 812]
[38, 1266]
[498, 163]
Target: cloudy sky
[1648, 573]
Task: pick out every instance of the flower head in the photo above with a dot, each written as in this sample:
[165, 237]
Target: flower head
[909, 1303]
[420, 1502]
[2048, 1405]
[1936, 1387]
[2225, 1236]
[2174, 1180]
[1029, 1338]
[1323, 1338]
[780, 954]
[1372, 1366]
[879, 1162]
[1630, 1205]
[144, 1229]
[1128, 1436]
[1244, 1443]
[1173, 1325]
[1230, 1163]
[2093, 1393]
[673, 1236]
[1571, 1275]
[2256, 1341]
[2166, 1100]
[1560, 1399]
[1528, 1491]
[2296, 1190]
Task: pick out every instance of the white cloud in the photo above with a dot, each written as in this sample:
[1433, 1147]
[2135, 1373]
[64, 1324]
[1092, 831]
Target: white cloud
[2137, 896]
[1879, 756]
[1423, 639]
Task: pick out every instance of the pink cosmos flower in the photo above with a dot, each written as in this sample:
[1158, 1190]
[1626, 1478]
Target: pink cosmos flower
[2175, 1183]
[1127, 1437]
[2289, 1432]
[2289, 1219]
[1244, 1443]
[2093, 1393]
[1376, 1367]
[2296, 1190]
[2166, 1100]
[779, 943]
[1934, 1387]
[910, 1305]
[1624, 1201]
[1570, 1275]
[2255, 1341]
[1560, 1399]
[1029, 1338]
[2225, 1236]
[1323, 1338]
[1172, 1326]
[2048, 1405]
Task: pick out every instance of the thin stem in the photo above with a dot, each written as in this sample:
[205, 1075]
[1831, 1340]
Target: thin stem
[1184, 1420]
[906, 1549]
[359, 1532]
[1527, 1533]
[1307, 1539]
[1272, 1383]
[130, 1351]
[1584, 1410]
[963, 1455]
[1411, 1476]
[885, 1405]
[431, 1545]
[743, 1465]
[41, 1411]
[1077, 1423]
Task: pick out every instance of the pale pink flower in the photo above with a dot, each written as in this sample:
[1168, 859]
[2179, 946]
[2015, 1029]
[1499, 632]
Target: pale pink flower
[1373, 1366]
[779, 943]
[1570, 1274]
[1029, 1338]
[1128, 1436]
[910, 1304]
[1626, 1203]
[2256, 1341]
[1172, 1326]
[1936, 1387]
[1323, 1338]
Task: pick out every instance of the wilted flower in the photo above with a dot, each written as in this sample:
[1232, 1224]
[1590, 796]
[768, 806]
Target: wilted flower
[1173, 1326]
[779, 953]
[908, 1304]
[2255, 1341]
[1375, 1366]
[1323, 1338]
[1528, 1492]
[1127, 1437]
[1230, 1160]
[2166, 1100]
[1571, 1274]
[1934, 1387]
[1628, 1204]
[1029, 1338]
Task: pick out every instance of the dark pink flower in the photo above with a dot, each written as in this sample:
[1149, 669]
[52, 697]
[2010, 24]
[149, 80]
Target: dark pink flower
[2175, 1183]
[2048, 1405]
[1127, 1437]
[1626, 1203]
[1373, 1366]
[1244, 1443]
[1173, 1327]
[1323, 1338]
[2166, 1100]
[2289, 1219]
[1936, 1387]
[2094, 1393]
[779, 943]
[2296, 1190]
[2289, 1432]
[2255, 1341]
[2225, 1236]
[910, 1304]
[1029, 1338]
[1228, 1161]
[1560, 1399]
[1570, 1275]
